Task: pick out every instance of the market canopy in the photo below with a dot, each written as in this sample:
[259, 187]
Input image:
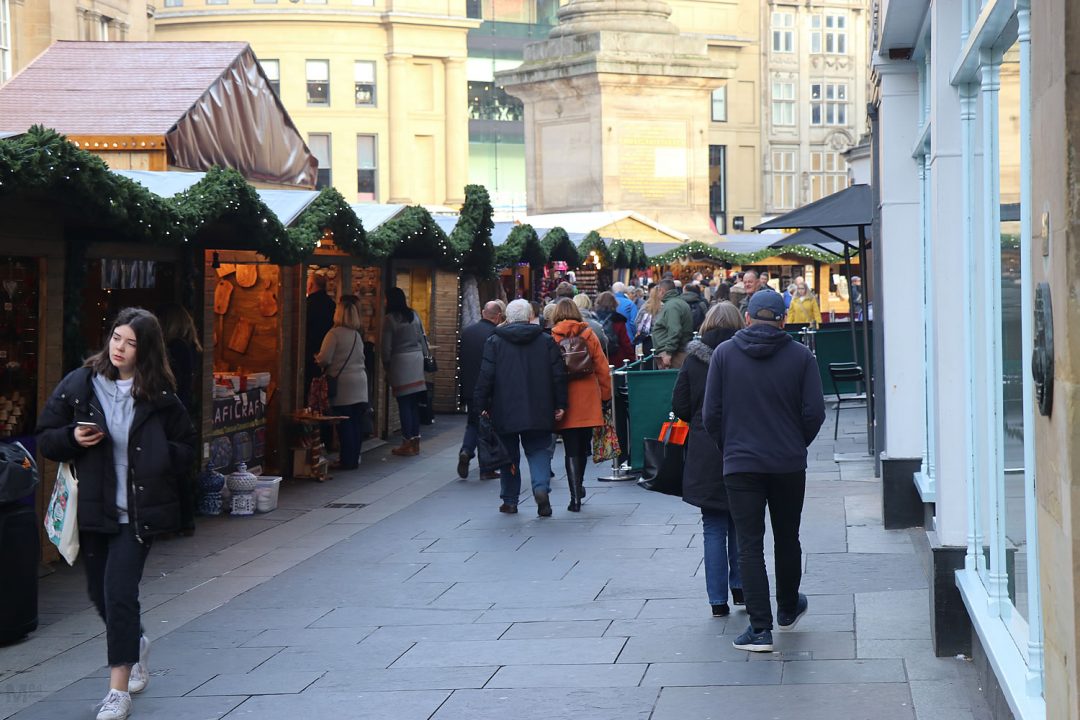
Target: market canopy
[207, 103]
[851, 208]
[813, 236]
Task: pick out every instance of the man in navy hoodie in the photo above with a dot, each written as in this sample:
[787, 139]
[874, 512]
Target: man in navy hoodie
[765, 454]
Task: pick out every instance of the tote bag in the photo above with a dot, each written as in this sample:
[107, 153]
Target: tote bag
[664, 460]
[61, 521]
[605, 440]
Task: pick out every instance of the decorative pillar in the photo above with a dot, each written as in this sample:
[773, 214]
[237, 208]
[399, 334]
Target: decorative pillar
[400, 130]
[457, 130]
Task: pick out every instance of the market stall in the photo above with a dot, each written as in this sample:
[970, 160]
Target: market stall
[594, 273]
[521, 260]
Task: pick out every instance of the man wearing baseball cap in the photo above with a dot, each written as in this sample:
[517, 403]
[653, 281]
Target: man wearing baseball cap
[765, 454]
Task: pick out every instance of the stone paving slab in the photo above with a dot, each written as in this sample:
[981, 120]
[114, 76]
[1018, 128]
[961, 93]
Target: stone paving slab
[430, 604]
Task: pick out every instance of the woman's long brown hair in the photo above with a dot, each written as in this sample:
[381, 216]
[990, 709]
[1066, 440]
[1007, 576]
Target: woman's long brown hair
[153, 376]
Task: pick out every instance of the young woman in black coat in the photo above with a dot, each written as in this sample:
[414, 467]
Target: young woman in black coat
[703, 473]
[118, 422]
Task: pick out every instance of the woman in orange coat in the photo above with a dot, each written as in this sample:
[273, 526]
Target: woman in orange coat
[587, 392]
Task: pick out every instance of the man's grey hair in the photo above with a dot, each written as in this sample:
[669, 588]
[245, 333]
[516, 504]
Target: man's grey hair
[618, 287]
[750, 272]
[518, 311]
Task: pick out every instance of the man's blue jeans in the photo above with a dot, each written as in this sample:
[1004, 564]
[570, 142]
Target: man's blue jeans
[721, 555]
[536, 444]
[472, 429]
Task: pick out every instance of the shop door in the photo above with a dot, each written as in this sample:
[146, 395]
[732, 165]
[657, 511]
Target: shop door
[416, 283]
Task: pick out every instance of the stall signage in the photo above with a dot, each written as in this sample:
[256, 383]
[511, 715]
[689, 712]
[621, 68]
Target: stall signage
[245, 407]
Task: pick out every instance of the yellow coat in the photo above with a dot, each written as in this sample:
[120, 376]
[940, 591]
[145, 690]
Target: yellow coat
[804, 309]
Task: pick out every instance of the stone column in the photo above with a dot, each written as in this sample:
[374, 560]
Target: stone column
[457, 130]
[400, 132]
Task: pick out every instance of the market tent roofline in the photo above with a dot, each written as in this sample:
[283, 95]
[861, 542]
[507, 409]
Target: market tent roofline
[814, 237]
[287, 205]
[375, 214]
[850, 208]
[584, 222]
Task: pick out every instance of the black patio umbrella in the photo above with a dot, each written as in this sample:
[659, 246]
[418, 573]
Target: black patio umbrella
[841, 220]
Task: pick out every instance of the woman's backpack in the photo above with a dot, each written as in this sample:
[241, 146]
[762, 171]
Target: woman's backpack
[576, 355]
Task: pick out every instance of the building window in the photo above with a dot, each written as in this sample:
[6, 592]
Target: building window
[783, 32]
[828, 173]
[319, 144]
[834, 34]
[364, 72]
[174, 3]
[719, 112]
[272, 68]
[718, 187]
[217, 2]
[367, 167]
[783, 102]
[5, 40]
[318, 82]
[783, 176]
[473, 9]
[828, 103]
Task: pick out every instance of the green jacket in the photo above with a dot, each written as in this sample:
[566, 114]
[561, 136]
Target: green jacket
[673, 327]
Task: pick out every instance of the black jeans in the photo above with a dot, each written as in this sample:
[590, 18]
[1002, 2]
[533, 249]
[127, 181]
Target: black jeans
[114, 567]
[349, 433]
[472, 429]
[748, 494]
[577, 442]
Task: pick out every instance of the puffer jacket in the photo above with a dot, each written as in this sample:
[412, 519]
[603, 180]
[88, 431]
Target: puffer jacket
[161, 448]
[522, 379]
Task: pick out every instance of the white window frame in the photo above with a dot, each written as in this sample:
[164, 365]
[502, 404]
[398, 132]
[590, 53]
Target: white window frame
[829, 104]
[718, 104]
[373, 168]
[329, 155]
[782, 25]
[829, 33]
[361, 76]
[783, 177]
[174, 3]
[5, 40]
[828, 173]
[783, 103]
[311, 78]
[272, 75]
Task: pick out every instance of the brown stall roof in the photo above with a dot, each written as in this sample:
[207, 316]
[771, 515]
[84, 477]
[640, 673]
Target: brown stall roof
[210, 99]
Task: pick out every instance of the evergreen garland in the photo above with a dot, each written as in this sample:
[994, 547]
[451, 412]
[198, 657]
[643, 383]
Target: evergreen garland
[41, 165]
[558, 247]
[522, 246]
[329, 210]
[593, 241]
[471, 237]
[414, 234]
[624, 254]
[697, 250]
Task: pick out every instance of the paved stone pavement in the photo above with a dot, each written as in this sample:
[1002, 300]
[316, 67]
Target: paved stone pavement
[428, 603]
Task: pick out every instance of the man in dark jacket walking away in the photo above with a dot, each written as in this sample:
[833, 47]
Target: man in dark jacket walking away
[765, 455]
[522, 386]
[472, 350]
[698, 307]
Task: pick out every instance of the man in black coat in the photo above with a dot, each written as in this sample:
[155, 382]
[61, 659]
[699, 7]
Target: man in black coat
[320, 318]
[472, 350]
[522, 387]
[765, 454]
[698, 307]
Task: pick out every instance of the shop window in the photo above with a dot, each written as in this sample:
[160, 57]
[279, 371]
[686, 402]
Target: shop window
[318, 82]
[364, 79]
[828, 104]
[367, 161]
[272, 69]
[783, 172]
[5, 40]
[783, 103]
[828, 34]
[719, 104]
[319, 144]
[19, 345]
[783, 32]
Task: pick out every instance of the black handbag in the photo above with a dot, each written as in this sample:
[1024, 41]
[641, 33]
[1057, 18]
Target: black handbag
[18, 472]
[491, 454]
[664, 462]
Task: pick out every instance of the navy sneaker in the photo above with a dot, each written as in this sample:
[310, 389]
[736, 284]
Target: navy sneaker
[788, 621]
[754, 640]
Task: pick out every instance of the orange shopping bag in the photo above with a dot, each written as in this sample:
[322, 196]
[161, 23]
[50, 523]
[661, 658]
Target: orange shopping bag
[674, 432]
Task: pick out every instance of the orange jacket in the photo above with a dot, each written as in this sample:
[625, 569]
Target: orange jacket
[585, 393]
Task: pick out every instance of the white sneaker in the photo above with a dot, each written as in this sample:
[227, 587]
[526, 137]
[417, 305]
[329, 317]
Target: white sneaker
[140, 671]
[115, 706]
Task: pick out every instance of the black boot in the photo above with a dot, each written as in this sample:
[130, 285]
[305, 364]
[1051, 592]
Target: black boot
[582, 464]
[573, 480]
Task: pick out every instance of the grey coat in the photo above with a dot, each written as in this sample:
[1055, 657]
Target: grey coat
[352, 384]
[403, 355]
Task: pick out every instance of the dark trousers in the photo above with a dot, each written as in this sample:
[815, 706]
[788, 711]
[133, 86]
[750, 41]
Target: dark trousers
[349, 432]
[472, 429]
[577, 442]
[409, 413]
[114, 567]
[748, 495]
